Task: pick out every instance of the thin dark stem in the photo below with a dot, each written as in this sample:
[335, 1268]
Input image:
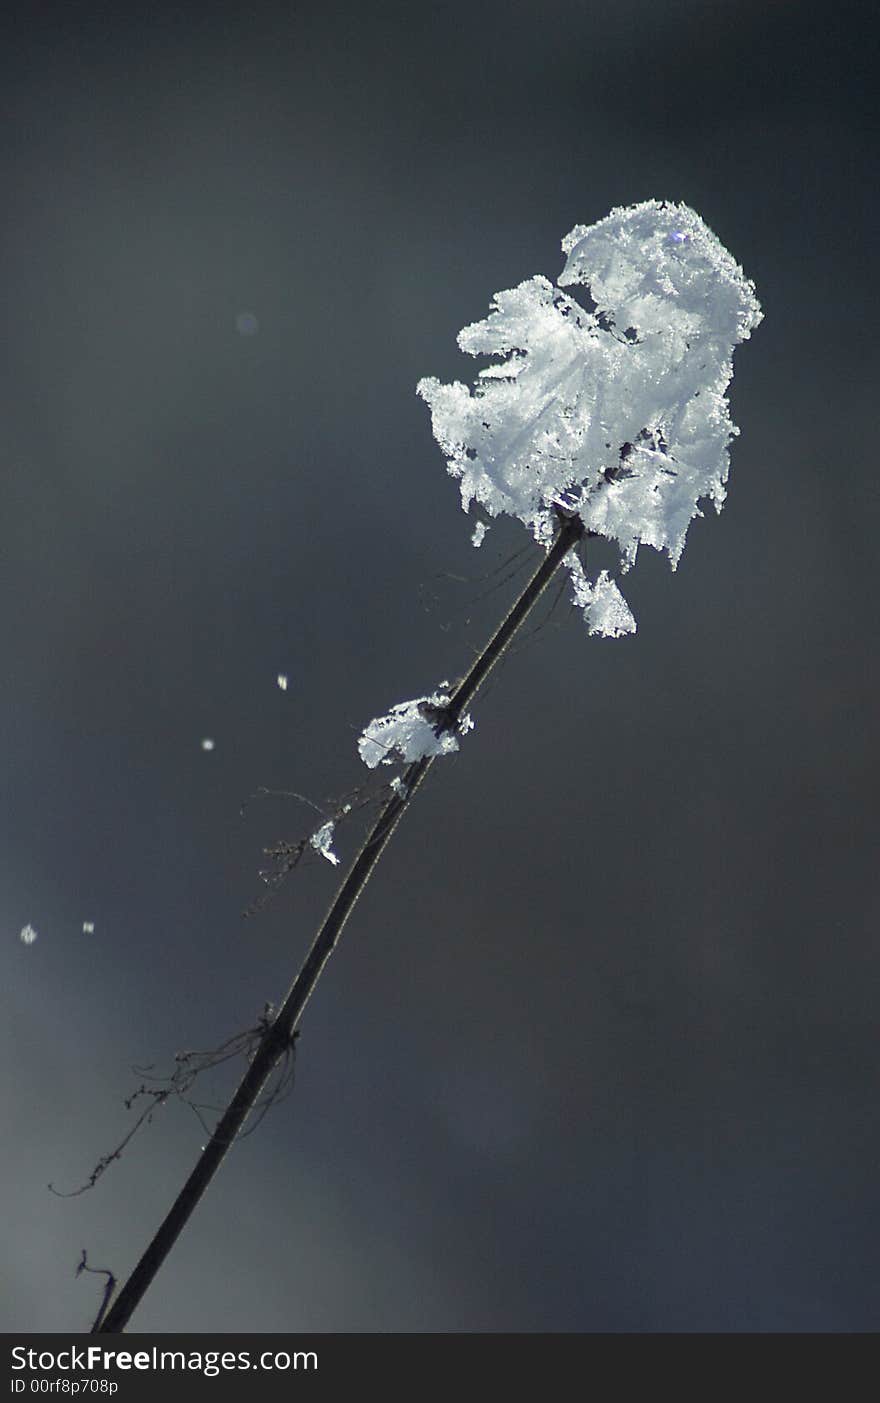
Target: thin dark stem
[277, 1038]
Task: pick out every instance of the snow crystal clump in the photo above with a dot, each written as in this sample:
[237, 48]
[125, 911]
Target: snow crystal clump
[27, 935]
[322, 840]
[618, 414]
[411, 731]
[605, 610]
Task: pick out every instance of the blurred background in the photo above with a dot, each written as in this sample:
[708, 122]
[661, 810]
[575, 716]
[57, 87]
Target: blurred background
[598, 1051]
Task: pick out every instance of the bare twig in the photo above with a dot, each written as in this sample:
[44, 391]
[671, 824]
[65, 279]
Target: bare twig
[109, 1285]
[189, 1066]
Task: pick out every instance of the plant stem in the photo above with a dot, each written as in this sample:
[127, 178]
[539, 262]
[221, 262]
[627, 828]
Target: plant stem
[278, 1036]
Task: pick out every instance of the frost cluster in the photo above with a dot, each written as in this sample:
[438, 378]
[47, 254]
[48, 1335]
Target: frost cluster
[322, 842]
[411, 731]
[618, 413]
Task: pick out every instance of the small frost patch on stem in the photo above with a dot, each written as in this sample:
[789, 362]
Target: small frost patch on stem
[413, 730]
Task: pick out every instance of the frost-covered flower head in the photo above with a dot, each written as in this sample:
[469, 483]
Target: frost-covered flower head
[619, 413]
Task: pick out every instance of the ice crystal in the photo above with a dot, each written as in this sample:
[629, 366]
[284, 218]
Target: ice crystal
[411, 731]
[322, 840]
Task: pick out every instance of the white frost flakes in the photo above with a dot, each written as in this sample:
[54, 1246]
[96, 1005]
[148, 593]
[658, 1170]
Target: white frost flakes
[479, 534]
[605, 610]
[207, 743]
[27, 935]
[619, 414]
[88, 927]
[411, 731]
[608, 612]
[398, 787]
[321, 841]
[282, 679]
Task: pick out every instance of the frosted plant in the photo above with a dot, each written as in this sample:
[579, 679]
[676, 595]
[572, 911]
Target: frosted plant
[618, 414]
[613, 422]
[411, 731]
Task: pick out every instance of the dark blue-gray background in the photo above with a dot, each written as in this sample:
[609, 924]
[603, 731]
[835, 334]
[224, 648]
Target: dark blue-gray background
[599, 1049]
